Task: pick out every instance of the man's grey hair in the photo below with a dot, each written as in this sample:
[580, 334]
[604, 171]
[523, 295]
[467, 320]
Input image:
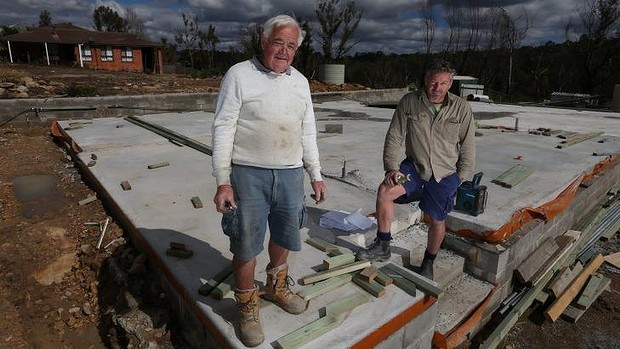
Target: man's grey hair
[440, 66]
[283, 21]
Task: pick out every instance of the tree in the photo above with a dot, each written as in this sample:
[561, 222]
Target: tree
[210, 40]
[188, 37]
[135, 25]
[45, 19]
[512, 32]
[305, 60]
[108, 20]
[337, 23]
[249, 39]
[168, 50]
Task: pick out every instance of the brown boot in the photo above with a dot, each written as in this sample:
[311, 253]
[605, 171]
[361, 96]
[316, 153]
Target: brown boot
[277, 290]
[248, 303]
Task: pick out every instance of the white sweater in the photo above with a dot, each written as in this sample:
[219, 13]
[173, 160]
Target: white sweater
[264, 119]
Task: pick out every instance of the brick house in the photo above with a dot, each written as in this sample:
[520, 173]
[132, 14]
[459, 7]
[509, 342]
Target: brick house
[66, 44]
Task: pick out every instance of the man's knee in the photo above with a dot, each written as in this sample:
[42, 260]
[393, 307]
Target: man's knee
[387, 193]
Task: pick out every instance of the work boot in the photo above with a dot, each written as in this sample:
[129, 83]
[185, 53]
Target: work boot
[378, 251]
[248, 303]
[426, 268]
[277, 290]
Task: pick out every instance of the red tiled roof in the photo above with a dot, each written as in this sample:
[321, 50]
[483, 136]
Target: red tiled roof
[67, 33]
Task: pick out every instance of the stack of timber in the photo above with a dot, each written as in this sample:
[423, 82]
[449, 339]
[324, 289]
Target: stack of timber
[342, 268]
[562, 272]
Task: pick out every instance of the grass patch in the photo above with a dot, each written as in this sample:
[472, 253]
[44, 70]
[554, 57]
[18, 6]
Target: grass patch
[82, 91]
[11, 75]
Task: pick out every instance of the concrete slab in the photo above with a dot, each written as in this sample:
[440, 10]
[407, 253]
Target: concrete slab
[159, 204]
[159, 207]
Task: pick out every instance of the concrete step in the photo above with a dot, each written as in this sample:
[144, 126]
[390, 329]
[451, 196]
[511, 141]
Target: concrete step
[461, 297]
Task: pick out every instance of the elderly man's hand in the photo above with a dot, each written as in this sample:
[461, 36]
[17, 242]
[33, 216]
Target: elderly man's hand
[224, 198]
[320, 189]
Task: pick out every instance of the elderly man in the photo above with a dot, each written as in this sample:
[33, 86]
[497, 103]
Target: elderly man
[437, 129]
[264, 135]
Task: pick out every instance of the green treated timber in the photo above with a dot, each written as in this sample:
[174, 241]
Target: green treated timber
[372, 287]
[402, 283]
[171, 135]
[335, 313]
[578, 138]
[587, 294]
[322, 245]
[383, 279]
[513, 176]
[339, 260]
[158, 165]
[206, 289]
[220, 291]
[427, 286]
[324, 275]
[313, 291]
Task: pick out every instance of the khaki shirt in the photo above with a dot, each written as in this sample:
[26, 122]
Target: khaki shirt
[438, 145]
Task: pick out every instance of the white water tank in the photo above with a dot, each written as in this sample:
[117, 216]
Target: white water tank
[332, 73]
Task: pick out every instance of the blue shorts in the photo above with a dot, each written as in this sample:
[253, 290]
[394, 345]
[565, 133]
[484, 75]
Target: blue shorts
[436, 199]
[265, 196]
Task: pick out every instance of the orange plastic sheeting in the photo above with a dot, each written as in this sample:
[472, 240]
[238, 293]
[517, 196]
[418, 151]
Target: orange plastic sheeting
[390, 327]
[59, 134]
[459, 334]
[545, 212]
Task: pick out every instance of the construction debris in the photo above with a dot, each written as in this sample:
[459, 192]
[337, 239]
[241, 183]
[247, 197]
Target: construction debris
[178, 249]
[125, 185]
[158, 165]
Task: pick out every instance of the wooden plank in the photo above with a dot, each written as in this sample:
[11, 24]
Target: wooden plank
[587, 294]
[613, 259]
[513, 176]
[368, 273]
[335, 313]
[206, 289]
[338, 260]
[125, 185]
[322, 245]
[196, 202]
[565, 244]
[326, 274]
[573, 314]
[310, 292]
[427, 286]
[383, 279]
[158, 165]
[223, 288]
[578, 138]
[371, 286]
[532, 264]
[559, 283]
[556, 309]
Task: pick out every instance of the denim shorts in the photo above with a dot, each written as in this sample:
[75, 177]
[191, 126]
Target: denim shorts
[436, 198]
[273, 197]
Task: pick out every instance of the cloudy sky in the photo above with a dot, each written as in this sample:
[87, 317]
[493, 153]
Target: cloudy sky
[387, 25]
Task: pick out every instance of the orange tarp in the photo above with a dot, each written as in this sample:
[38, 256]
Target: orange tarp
[545, 212]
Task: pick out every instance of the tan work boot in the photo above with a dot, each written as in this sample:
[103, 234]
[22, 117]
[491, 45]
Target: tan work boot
[248, 302]
[277, 290]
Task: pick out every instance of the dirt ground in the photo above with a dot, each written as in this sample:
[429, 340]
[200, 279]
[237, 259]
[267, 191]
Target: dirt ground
[63, 286]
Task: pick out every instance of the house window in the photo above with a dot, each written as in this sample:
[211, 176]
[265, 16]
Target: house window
[127, 54]
[106, 54]
[87, 53]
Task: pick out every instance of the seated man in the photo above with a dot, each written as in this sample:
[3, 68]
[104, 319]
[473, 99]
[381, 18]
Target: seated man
[437, 129]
